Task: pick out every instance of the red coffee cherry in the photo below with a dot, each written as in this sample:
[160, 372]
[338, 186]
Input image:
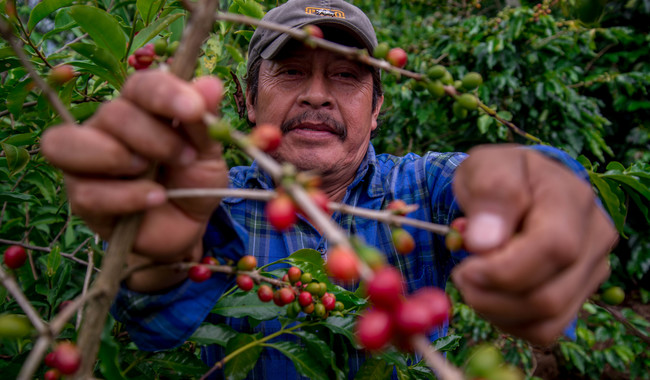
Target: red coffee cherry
[265, 293]
[459, 224]
[313, 31]
[286, 296]
[398, 207]
[293, 274]
[436, 302]
[61, 74]
[49, 359]
[329, 301]
[397, 57]
[247, 263]
[385, 288]
[209, 260]
[276, 298]
[374, 329]
[281, 212]
[244, 282]
[15, 257]
[320, 199]
[412, 317]
[266, 137]
[67, 358]
[342, 263]
[199, 273]
[454, 240]
[403, 241]
[52, 374]
[305, 298]
[309, 308]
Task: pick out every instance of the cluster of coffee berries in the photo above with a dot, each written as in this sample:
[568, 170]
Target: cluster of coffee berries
[454, 238]
[486, 363]
[395, 318]
[541, 9]
[14, 257]
[395, 56]
[402, 239]
[158, 51]
[282, 212]
[65, 359]
[309, 296]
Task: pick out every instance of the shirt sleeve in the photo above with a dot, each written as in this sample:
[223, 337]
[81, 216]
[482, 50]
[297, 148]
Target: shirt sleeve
[166, 320]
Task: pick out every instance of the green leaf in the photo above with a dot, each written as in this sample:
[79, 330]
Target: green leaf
[208, 333]
[20, 139]
[306, 363]
[148, 9]
[147, 34]
[447, 343]
[342, 325]
[17, 158]
[99, 71]
[246, 304]
[374, 369]
[102, 58]
[307, 255]
[484, 122]
[102, 28]
[178, 362]
[44, 9]
[16, 97]
[316, 346]
[109, 351]
[241, 364]
[53, 260]
[631, 182]
[6, 196]
[610, 199]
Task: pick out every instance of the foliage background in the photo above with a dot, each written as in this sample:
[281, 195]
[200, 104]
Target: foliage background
[582, 88]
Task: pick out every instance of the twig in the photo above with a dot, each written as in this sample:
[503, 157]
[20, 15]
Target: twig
[442, 368]
[69, 256]
[12, 287]
[89, 273]
[7, 34]
[619, 317]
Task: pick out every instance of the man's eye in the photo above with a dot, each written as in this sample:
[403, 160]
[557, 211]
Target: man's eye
[345, 74]
[292, 72]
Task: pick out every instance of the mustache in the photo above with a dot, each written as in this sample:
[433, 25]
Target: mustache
[316, 117]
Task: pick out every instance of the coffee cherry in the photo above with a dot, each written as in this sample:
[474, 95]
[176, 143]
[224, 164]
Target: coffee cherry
[459, 224]
[436, 72]
[306, 278]
[14, 326]
[265, 293]
[484, 360]
[385, 288]
[172, 47]
[199, 273]
[381, 50]
[398, 207]
[160, 46]
[397, 57]
[329, 301]
[468, 101]
[61, 74]
[286, 296]
[308, 309]
[374, 329]
[322, 289]
[447, 78]
[15, 257]
[281, 212]
[266, 137]
[67, 358]
[247, 263]
[319, 310]
[436, 88]
[320, 199]
[293, 310]
[339, 306]
[305, 298]
[472, 80]
[454, 240]
[49, 359]
[52, 374]
[294, 274]
[244, 282]
[209, 260]
[436, 302]
[371, 256]
[614, 295]
[458, 110]
[313, 31]
[277, 299]
[313, 288]
[145, 55]
[403, 241]
[342, 263]
[411, 317]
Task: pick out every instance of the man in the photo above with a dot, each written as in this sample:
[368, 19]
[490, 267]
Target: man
[539, 239]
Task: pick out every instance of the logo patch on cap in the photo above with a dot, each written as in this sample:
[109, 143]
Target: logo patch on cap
[324, 12]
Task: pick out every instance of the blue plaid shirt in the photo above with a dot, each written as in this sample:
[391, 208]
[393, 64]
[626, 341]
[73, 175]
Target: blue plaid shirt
[239, 226]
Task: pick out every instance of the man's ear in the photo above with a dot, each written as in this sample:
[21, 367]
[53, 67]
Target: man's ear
[250, 107]
[375, 112]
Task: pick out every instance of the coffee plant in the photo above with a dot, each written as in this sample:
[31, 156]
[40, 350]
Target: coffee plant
[568, 73]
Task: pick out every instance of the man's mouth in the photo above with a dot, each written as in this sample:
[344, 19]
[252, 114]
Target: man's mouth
[315, 122]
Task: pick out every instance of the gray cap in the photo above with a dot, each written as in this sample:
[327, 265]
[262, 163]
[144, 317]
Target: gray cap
[337, 14]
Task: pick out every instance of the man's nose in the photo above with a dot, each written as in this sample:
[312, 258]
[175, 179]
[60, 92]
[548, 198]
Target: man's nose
[316, 93]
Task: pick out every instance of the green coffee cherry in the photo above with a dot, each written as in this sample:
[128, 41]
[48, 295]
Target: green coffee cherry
[458, 110]
[14, 326]
[484, 360]
[436, 72]
[381, 50]
[468, 101]
[160, 46]
[447, 78]
[220, 130]
[458, 84]
[172, 47]
[472, 80]
[613, 296]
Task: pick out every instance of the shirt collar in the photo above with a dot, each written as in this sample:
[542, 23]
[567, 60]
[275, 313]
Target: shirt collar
[368, 172]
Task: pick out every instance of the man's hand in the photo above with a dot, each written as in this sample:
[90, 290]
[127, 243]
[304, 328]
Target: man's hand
[539, 240]
[157, 119]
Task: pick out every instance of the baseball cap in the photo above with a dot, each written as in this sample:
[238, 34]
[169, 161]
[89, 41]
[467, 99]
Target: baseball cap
[337, 14]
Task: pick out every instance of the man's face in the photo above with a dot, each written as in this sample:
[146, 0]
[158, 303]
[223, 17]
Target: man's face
[323, 102]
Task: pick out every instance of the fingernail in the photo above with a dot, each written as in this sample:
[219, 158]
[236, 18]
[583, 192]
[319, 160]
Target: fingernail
[485, 231]
[187, 156]
[156, 197]
[185, 106]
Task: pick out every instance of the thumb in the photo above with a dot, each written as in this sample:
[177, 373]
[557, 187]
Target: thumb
[491, 187]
